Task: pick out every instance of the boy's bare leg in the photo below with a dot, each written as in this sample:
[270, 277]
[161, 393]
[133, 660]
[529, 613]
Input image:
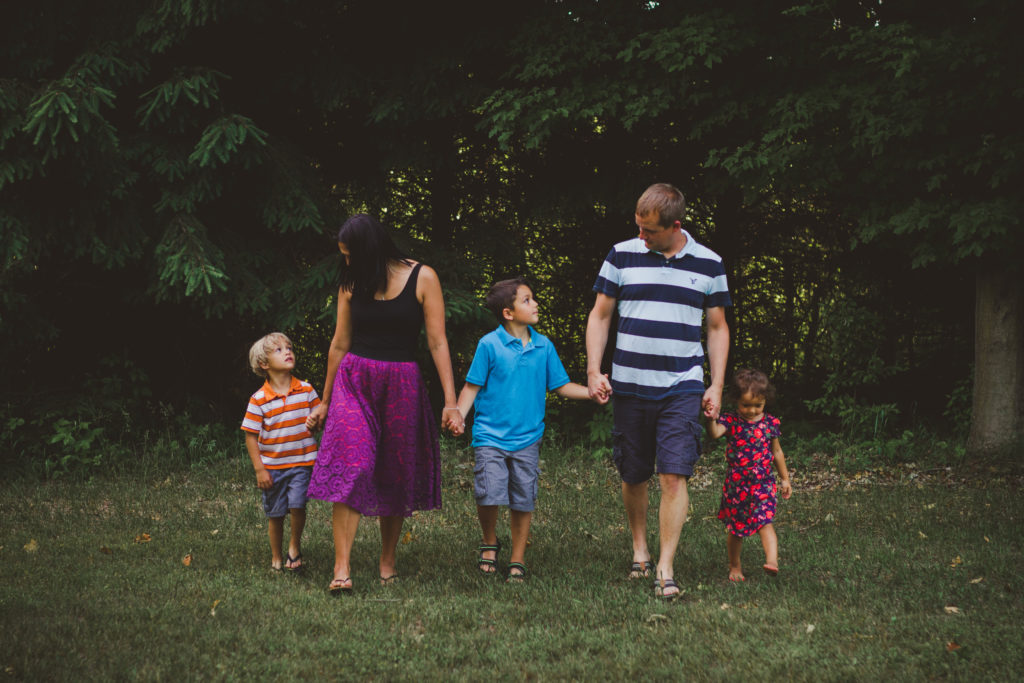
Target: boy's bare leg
[634, 498]
[298, 517]
[275, 529]
[488, 516]
[344, 523]
[390, 532]
[675, 501]
[734, 544]
[770, 542]
[520, 523]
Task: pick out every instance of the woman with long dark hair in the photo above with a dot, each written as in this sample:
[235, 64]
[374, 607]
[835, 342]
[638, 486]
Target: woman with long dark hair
[379, 455]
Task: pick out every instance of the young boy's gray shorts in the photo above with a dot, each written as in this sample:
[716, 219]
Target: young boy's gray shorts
[507, 477]
[288, 491]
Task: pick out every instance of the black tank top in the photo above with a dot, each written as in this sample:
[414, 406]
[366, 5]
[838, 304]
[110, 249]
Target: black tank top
[387, 329]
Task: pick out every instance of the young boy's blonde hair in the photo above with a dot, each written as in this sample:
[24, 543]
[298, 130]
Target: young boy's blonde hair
[262, 348]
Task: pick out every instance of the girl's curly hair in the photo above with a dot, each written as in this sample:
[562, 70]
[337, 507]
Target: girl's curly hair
[753, 382]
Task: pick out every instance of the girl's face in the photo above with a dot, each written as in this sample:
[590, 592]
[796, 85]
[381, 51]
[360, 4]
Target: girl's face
[750, 407]
[343, 248]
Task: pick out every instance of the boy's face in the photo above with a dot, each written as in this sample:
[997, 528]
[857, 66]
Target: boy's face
[280, 358]
[524, 309]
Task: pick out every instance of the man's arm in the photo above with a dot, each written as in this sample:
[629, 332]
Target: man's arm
[598, 326]
[718, 356]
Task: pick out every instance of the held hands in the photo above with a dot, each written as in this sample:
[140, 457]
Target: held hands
[316, 417]
[452, 420]
[599, 388]
[711, 404]
[786, 488]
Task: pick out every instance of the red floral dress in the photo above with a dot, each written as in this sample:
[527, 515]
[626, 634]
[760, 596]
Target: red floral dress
[748, 495]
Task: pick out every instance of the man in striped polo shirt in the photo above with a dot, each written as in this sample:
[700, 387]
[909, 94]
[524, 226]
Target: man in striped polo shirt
[282, 449]
[665, 285]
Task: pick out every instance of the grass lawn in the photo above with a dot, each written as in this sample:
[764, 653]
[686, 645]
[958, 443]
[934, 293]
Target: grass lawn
[878, 580]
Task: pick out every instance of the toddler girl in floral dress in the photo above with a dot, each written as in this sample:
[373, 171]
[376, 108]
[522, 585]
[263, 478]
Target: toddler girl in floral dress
[749, 492]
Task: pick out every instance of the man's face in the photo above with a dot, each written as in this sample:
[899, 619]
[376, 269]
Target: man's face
[655, 236]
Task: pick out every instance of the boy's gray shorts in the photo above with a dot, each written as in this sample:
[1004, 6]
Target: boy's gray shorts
[507, 477]
[288, 491]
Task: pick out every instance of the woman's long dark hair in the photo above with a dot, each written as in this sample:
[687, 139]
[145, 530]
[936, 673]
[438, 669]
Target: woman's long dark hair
[369, 248]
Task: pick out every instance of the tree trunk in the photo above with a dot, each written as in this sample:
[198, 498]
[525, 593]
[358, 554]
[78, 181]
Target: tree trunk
[997, 413]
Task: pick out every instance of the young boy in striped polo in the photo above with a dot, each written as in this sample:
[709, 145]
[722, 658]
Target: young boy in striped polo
[277, 435]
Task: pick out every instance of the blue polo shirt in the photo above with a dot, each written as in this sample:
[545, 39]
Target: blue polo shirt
[513, 381]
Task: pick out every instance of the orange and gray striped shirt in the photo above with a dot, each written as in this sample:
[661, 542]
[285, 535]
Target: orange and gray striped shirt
[280, 421]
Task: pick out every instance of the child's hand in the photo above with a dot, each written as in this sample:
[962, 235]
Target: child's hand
[316, 417]
[263, 480]
[787, 488]
[453, 421]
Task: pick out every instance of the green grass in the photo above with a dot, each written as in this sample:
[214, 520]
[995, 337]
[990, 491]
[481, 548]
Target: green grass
[869, 574]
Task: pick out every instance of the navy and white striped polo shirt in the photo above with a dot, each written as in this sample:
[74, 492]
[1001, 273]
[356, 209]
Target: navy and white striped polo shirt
[661, 302]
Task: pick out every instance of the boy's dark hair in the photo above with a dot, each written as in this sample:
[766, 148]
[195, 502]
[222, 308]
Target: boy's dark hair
[370, 248]
[502, 295]
[753, 382]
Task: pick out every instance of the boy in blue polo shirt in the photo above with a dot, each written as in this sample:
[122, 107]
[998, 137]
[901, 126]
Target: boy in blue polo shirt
[507, 383]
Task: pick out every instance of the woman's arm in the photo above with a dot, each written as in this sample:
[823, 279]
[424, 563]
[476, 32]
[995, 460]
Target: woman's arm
[340, 344]
[428, 291]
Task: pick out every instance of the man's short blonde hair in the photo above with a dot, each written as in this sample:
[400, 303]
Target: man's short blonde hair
[664, 200]
[261, 350]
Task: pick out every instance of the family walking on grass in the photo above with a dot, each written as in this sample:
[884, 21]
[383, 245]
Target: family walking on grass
[380, 456]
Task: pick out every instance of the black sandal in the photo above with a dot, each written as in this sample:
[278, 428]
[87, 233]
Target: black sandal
[518, 577]
[482, 562]
[641, 570]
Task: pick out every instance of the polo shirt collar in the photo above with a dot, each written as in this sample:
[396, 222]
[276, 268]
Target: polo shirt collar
[269, 392]
[507, 338]
[687, 248]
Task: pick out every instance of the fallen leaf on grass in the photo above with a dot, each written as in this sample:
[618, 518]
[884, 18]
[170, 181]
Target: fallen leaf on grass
[986, 539]
[724, 606]
[829, 517]
[957, 561]
[930, 506]
[921, 534]
[952, 645]
[810, 628]
[656, 617]
[951, 609]
[31, 546]
[215, 532]
[213, 610]
[187, 560]
[105, 550]
[978, 580]
[407, 538]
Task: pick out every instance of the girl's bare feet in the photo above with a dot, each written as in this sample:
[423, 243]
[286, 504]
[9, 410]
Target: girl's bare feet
[736, 574]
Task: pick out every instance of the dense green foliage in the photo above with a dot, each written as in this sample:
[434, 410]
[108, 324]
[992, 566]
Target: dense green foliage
[171, 174]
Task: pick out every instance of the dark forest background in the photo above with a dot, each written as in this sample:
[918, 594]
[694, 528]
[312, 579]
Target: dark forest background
[172, 174]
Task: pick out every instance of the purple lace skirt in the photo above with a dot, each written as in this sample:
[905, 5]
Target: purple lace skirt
[380, 453]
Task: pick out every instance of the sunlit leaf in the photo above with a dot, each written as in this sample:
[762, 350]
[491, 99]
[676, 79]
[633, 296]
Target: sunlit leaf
[143, 538]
